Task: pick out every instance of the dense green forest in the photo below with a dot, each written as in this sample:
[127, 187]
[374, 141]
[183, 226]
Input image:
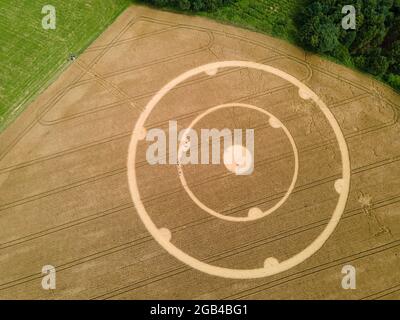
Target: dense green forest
[374, 46]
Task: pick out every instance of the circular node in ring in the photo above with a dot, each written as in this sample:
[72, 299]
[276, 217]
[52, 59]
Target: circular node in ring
[212, 72]
[254, 213]
[304, 94]
[271, 268]
[270, 262]
[339, 185]
[166, 234]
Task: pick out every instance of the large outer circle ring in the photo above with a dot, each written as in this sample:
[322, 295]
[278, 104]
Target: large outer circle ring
[248, 218]
[268, 270]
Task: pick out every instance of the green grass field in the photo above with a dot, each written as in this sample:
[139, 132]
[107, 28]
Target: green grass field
[31, 56]
[275, 17]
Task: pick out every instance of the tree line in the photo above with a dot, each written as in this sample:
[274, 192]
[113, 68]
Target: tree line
[374, 46]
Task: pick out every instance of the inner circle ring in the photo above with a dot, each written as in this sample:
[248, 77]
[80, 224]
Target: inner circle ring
[249, 217]
[267, 270]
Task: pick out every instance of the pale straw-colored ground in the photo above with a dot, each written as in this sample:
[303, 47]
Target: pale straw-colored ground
[65, 201]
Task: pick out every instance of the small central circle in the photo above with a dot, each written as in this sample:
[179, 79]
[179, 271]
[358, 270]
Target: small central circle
[238, 159]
